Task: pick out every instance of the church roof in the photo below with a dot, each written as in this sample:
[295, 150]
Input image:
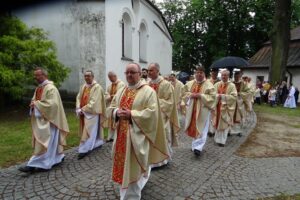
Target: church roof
[262, 58]
[162, 16]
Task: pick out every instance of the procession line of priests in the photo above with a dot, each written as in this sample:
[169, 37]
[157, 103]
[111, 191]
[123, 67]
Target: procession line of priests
[91, 109]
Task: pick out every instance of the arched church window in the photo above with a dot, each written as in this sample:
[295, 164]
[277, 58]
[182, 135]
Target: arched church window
[143, 43]
[126, 36]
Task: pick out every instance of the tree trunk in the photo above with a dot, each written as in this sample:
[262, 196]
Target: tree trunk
[280, 38]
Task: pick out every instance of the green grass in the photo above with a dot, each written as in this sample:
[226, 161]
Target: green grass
[15, 134]
[277, 110]
[283, 197]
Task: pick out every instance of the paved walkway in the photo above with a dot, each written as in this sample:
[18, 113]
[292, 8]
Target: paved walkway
[217, 174]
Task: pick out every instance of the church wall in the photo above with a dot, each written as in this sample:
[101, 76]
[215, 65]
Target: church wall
[88, 35]
[253, 73]
[78, 30]
[159, 47]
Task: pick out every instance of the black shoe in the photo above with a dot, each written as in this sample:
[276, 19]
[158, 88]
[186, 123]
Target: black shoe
[239, 134]
[210, 134]
[197, 152]
[110, 140]
[221, 145]
[37, 169]
[26, 169]
[81, 155]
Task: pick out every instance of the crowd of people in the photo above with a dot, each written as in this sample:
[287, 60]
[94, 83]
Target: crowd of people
[277, 94]
[141, 117]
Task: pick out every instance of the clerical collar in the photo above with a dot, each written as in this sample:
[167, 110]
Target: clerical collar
[115, 81]
[135, 86]
[237, 81]
[157, 80]
[45, 82]
[90, 85]
[225, 82]
[201, 81]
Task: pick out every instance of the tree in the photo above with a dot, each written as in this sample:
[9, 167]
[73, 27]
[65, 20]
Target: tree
[21, 50]
[205, 30]
[280, 37]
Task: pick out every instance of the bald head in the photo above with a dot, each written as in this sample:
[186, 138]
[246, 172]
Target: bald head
[133, 73]
[153, 70]
[225, 75]
[112, 76]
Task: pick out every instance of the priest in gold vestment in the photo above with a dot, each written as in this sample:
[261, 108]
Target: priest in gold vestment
[213, 79]
[178, 92]
[167, 106]
[91, 110]
[111, 91]
[225, 107]
[243, 103]
[49, 125]
[200, 98]
[139, 142]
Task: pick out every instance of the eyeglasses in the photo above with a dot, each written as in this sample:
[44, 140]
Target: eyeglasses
[130, 72]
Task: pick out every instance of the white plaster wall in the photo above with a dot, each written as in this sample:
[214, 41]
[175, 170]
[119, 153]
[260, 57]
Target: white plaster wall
[88, 35]
[296, 78]
[253, 73]
[77, 28]
[159, 48]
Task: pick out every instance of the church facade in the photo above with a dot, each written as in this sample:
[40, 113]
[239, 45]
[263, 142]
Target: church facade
[103, 36]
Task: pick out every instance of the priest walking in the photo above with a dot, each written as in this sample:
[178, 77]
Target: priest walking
[224, 110]
[200, 98]
[49, 125]
[91, 109]
[139, 141]
[167, 105]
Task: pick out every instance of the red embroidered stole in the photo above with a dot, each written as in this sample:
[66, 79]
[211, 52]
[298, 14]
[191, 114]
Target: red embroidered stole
[192, 129]
[39, 92]
[120, 149]
[155, 86]
[238, 89]
[221, 90]
[83, 101]
[85, 96]
[113, 89]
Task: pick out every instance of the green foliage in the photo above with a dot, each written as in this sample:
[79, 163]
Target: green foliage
[205, 30]
[278, 110]
[15, 143]
[21, 50]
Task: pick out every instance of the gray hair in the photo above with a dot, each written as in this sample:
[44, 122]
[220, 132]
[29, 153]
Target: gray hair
[111, 73]
[89, 71]
[156, 65]
[225, 71]
[44, 71]
[139, 67]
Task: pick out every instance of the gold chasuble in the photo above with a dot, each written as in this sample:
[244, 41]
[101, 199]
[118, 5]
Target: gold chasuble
[198, 110]
[192, 129]
[90, 100]
[178, 92]
[165, 94]
[225, 107]
[110, 93]
[243, 101]
[139, 142]
[48, 102]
